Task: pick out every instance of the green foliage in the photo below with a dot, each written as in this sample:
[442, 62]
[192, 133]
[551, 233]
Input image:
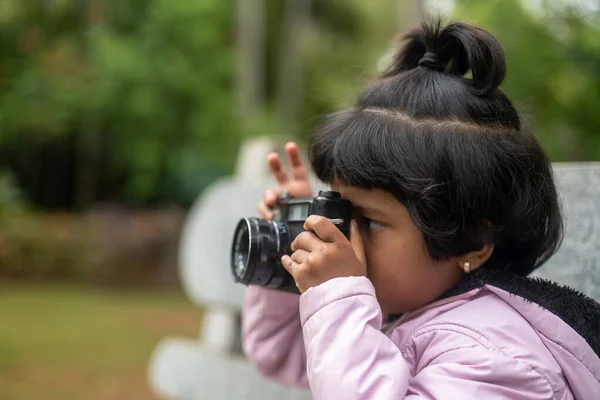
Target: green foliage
[148, 81]
[136, 101]
[169, 87]
[343, 54]
[553, 58]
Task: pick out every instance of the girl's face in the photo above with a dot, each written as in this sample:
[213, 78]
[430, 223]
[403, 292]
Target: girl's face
[398, 264]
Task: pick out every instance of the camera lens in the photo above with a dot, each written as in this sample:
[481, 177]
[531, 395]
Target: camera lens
[256, 251]
[241, 249]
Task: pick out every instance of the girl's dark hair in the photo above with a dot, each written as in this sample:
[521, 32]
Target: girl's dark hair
[450, 148]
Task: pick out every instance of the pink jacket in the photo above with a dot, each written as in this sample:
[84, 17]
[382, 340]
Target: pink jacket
[478, 342]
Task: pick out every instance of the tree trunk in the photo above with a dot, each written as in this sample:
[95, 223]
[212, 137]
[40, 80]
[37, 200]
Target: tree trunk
[251, 47]
[87, 148]
[289, 80]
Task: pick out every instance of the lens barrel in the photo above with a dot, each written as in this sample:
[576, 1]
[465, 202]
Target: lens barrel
[256, 253]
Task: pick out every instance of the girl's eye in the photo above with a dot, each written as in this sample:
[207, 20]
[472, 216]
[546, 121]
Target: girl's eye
[373, 225]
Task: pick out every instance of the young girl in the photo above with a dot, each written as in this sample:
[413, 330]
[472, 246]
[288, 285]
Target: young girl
[455, 205]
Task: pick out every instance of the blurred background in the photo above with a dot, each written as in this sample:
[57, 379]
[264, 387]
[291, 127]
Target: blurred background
[115, 115]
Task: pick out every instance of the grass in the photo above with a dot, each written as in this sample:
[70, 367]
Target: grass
[69, 342]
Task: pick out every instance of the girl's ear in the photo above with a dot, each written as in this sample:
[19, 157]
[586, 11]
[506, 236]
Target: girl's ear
[470, 261]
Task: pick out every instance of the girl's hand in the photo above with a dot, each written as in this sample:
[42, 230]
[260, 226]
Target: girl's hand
[325, 254]
[296, 181]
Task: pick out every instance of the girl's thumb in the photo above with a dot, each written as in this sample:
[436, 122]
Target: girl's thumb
[357, 243]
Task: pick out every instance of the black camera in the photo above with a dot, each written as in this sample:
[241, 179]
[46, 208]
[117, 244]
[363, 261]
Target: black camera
[259, 244]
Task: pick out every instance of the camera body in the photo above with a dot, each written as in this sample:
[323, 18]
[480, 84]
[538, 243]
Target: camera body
[259, 244]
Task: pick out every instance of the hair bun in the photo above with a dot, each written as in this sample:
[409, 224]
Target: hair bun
[431, 60]
[454, 49]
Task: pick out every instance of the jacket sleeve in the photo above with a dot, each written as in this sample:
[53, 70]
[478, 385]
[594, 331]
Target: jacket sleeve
[348, 357]
[272, 336]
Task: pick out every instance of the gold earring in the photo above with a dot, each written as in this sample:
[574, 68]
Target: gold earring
[467, 267]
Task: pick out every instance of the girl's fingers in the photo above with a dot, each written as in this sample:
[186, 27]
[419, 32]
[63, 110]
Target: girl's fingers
[299, 256]
[324, 229]
[306, 241]
[265, 211]
[271, 196]
[277, 169]
[299, 170]
[290, 265]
